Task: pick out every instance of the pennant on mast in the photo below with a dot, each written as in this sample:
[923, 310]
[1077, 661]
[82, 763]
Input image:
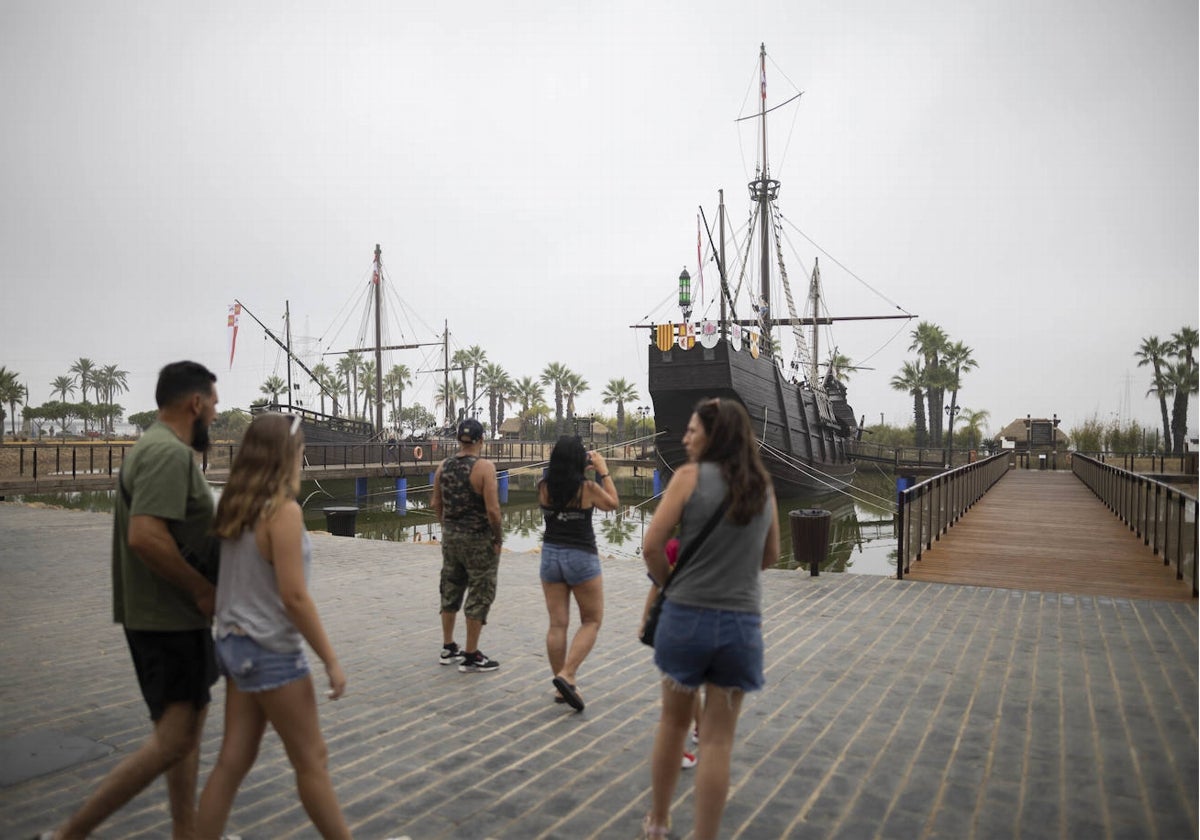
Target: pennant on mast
[235, 310]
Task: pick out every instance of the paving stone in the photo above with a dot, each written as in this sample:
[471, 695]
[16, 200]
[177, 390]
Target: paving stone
[892, 708]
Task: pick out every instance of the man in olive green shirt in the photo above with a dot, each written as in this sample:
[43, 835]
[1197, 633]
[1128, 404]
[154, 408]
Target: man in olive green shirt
[161, 541]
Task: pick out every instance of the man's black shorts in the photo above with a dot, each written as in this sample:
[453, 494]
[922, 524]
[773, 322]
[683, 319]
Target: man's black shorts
[175, 666]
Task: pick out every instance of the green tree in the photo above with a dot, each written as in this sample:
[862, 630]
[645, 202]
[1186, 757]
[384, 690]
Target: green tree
[395, 381]
[957, 360]
[273, 387]
[497, 387]
[555, 375]
[417, 418]
[322, 374]
[366, 378]
[348, 367]
[11, 393]
[473, 358]
[1182, 379]
[143, 419]
[840, 367]
[64, 386]
[1154, 352]
[83, 369]
[930, 341]
[573, 386]
[528, 392]
[448, 394]
[619, 391]
[229, 425]
[911, 380]
[973, 425]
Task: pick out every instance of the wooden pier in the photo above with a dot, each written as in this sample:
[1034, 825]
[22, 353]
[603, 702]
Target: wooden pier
[1045, 531]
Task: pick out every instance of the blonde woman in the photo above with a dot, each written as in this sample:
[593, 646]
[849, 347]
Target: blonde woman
[263, 613]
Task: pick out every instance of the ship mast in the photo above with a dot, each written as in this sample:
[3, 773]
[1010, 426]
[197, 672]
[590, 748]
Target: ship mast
[377, 280]
[763, 191]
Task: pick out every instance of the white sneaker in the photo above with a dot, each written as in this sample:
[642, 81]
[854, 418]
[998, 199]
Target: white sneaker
[689, 760]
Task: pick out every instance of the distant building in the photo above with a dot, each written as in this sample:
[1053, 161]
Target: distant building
[1033, 434]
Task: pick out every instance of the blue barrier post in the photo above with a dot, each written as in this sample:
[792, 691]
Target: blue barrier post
[502, 478]
[360, 486]
[657, 483]
[402, 496]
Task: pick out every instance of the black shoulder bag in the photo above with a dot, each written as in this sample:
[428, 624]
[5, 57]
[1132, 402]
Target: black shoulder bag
[646, 637]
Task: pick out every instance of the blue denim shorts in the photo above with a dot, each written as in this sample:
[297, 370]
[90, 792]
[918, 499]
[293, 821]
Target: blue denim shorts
[254, 668]
[564, 564]
[695, 645]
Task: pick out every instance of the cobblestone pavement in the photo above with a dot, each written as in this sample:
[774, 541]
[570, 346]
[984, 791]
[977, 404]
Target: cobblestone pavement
[892, 709]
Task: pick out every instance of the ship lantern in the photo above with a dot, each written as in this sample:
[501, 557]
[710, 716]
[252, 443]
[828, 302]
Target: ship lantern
[685, 293]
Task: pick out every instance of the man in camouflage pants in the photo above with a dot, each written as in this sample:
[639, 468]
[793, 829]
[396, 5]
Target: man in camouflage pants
[467, 504]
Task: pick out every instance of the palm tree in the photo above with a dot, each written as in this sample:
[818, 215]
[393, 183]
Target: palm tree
[974, 420]
[556, 374]
[1182, 379]
[498, 386]
[115, 382]
[911, 380]
[322, 374]
[348, 367]
[930, 341]
[447, 394]
[366, 378]
[394, 383]
[11, 392]
[475, 357]
[958, 360]
[573, 386]
[273, 387]
[64, 386]
[840, 366]
[528, 392]
[619, 391]
[1154, 352]
[83, 369]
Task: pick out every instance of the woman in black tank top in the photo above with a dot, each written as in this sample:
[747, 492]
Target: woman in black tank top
[570, 564]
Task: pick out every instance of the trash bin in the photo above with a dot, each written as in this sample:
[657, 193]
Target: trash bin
[1042, 461]
[339, 521]
[810, 537]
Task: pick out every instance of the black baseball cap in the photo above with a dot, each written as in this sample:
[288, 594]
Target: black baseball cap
[470, 430]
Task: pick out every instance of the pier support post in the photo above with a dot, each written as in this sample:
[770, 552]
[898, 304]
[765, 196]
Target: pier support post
[502, 486]
[657, 483]
[360, 486]
[402, 496]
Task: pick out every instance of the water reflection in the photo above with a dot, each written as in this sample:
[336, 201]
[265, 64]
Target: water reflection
[862, 538]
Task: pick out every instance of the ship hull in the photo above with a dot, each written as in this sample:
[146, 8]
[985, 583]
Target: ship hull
[806, 441]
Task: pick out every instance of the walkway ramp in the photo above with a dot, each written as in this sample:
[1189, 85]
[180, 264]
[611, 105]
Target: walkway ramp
[1045, 531]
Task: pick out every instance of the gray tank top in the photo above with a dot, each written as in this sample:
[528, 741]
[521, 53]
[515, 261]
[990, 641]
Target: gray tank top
[723, 574]
[248, 600]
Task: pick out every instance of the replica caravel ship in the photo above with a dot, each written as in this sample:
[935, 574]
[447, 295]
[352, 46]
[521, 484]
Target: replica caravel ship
[804, 422]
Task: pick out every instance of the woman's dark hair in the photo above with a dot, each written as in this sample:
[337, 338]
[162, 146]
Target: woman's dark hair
[565, 471]
[732, 446]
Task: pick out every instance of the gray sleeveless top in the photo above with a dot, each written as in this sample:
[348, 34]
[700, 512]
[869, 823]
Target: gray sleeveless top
[248, 600]
[723, 574]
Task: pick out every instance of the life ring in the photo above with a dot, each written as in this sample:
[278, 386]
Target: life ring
[417, 453]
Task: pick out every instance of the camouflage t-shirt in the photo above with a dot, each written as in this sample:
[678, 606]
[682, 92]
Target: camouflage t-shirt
[463, 510]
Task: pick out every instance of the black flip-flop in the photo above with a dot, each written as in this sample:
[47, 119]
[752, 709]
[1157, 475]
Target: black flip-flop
[570, 695]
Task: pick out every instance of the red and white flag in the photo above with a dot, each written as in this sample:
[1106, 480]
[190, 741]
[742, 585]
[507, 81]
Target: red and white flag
[235, 309]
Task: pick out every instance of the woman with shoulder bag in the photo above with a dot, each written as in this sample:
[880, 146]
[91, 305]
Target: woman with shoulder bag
[710, 629]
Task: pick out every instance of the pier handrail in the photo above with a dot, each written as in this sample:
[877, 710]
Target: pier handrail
[1163, 516]
[928, 509]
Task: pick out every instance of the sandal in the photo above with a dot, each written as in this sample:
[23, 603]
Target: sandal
[570, 694]
[650, 830]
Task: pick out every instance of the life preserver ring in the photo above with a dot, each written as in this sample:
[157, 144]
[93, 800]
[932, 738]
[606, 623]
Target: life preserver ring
[417, 453]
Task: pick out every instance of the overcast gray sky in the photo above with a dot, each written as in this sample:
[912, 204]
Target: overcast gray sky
[1023, 174]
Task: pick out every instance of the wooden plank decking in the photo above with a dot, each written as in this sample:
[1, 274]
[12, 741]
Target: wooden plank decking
[1045, 531]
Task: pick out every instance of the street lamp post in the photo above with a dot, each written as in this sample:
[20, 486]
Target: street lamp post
[951, 412]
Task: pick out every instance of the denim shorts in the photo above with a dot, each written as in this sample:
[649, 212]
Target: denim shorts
[695, 645]
[565, 564]
[254, 668]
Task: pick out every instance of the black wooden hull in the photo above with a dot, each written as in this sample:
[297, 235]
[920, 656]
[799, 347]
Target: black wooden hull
[806, 449]
[324, 429]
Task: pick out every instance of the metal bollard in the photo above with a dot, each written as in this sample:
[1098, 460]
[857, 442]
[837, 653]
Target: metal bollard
[810, 537]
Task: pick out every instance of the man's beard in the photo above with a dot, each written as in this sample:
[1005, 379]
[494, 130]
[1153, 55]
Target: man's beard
[200, 438]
